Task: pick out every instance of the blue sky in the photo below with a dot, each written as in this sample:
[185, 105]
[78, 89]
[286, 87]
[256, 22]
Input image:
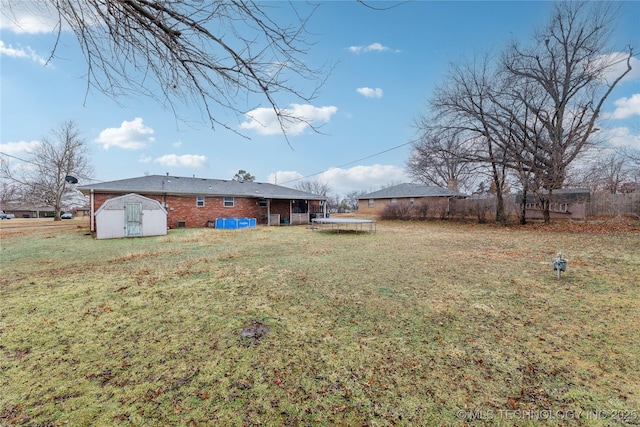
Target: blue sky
[387, 63]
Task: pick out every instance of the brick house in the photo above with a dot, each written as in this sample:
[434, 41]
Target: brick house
[197, 202]
[436, 198]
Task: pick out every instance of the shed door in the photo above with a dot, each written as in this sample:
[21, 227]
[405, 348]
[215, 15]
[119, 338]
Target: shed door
[133, 219]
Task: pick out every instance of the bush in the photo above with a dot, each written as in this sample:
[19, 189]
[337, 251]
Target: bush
[401, 210]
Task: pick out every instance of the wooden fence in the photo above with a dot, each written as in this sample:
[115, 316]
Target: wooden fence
[614, 205]
[608, 205]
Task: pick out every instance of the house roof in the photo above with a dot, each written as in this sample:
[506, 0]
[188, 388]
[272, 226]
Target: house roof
[410, 190]
[561, 195]
[177, 185]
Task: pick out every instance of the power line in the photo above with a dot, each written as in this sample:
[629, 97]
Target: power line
[44, 167]
[350, 163]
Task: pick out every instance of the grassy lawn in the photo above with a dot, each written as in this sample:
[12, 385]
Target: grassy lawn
[418, 324]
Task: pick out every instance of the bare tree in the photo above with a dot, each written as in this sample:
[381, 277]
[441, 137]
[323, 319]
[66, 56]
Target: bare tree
[54, 165]
[465, 106]
[314, 187]
[442, 159]
[208, 53]
[535, 111]
[9, 192]
[603, 170]
[352, 199]
[567, 64]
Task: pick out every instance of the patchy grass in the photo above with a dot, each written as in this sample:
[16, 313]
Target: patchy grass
[417, 324]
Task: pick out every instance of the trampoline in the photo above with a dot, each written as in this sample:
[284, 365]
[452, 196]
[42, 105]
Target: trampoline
[345, 224]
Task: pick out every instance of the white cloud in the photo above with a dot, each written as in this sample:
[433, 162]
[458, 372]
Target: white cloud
[133, 135]
[24, 53]
[14, 148]
[626, 107]
[30, 17]
[369, 92]
[284, 178]
[343, 181]
[621, 137]
[177, 144]
[362, 178]
[185, 160]
[373, 47]
[619, 61]
[265, 122]
[145, 159]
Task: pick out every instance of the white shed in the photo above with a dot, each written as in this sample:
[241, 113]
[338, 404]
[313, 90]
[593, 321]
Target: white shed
[131, 215]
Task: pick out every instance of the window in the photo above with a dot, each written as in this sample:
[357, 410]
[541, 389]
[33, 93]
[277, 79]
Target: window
[262, 203]
[200, 201]
[228, 202]
[412, 201]
[394, 201]
[370, 203]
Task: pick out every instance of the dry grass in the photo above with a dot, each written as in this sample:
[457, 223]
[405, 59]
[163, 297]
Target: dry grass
[418, 324]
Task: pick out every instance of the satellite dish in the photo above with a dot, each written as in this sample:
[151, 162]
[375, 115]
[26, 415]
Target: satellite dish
[71, 179]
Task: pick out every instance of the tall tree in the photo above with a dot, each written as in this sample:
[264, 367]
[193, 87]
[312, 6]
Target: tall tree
[441, 158]
[567, 62]
[54, 165]
[314, 186]
[464, 105]
[208, 53]
[535, 111]
[242, 175]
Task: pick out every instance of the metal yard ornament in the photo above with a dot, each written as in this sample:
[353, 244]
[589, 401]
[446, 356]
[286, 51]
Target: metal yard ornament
[560, 264]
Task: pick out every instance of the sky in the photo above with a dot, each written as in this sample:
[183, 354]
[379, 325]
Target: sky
[386, 62]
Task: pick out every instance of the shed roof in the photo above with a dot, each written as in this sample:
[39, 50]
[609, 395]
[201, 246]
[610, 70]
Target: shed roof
[411, 190]
[563, 195]
[118, 203]
[177, 185]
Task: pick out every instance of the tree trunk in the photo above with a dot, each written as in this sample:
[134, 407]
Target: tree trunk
[501, 218]
[546, 213]
[523, 207]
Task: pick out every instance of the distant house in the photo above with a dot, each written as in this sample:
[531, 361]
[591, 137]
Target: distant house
[197, 202]
[22, 210]
[436, 198]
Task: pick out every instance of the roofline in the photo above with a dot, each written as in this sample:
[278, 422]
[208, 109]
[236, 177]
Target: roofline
[142, 192]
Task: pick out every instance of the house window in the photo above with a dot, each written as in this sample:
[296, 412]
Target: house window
[370, 203]
[394, 201]
[200, 201]
[228, 202]
[412, 201]
[262, 203]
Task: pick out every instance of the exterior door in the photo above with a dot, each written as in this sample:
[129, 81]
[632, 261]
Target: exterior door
[133, 219]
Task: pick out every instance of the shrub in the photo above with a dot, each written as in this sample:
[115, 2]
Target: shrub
[401, 210]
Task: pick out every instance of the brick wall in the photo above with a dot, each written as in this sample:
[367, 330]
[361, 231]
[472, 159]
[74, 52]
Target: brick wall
[183, 208]
[436, 205]
[282, 207]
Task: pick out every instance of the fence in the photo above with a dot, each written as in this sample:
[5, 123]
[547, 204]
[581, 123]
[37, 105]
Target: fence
[484, 208]
[614, 205]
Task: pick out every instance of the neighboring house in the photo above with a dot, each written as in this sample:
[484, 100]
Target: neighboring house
[198, 202]
[21, 210]
[437, 199]
[565, 203]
